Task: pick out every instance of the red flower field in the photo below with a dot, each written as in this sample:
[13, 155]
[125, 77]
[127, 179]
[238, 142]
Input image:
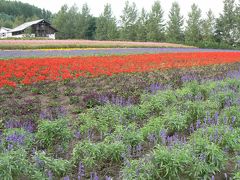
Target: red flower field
[28, 71]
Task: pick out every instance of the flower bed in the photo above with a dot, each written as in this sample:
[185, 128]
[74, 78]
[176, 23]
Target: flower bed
[28, 71]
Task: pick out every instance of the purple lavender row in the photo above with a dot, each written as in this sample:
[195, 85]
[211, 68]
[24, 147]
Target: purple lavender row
[117, 51]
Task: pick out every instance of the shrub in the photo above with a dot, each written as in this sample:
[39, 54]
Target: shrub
[15, 165]
[209, 158]
[92, 154]
[58, 167]
[51, 134]
[171, 164]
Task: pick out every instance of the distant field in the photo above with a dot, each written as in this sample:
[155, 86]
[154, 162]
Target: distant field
[55, 44]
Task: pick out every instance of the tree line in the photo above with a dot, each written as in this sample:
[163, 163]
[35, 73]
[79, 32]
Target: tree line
[135, 24]
[14, 13]
[140, 25]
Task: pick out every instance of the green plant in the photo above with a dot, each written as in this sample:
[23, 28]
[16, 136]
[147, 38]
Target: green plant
[74, 99]
[236, 176]
[175, 121]
[15, 165]
[156, 104]
[68, 91]
[17, 138]
[209, 158]
[153, 126]
[228, 113]
[222, 135]
[198, 109]
[142, 169]
[129, 135]
[92, 154]
[58, 167]
[51, 134]
[171, 164]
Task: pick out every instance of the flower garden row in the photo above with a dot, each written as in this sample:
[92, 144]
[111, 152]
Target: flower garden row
[29, 71]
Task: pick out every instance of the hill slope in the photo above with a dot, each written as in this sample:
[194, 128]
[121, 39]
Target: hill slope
[13, 13]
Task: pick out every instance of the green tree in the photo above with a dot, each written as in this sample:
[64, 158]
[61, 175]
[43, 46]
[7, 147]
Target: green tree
[175, 24]
[86, 24]
[155, 23]
[142, 26]
[237, 36]
[128, 22]
[227, 24]
[17, 8]
[208, 27]
[59, 22]
[106, 27]
[193, 29]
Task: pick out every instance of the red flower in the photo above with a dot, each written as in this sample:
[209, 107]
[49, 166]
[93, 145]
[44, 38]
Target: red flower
[28, 71]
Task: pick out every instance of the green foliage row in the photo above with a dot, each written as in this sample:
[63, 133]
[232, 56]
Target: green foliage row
[110, 134]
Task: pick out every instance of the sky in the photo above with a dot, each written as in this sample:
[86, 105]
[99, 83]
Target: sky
[97, 6]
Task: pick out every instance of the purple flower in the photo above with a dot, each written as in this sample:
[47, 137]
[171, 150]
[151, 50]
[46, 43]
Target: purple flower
[96, 176]
[202, 157]
[198, 124]
[155, 87]
[205, 121]
[191, 129]
[29, 125]
[66, 178]
[225, 175]
[50, 175]
[210, 138]
[225, 120]
[220, 139]
[39, 162]
[16, 138]
[188, 77]
[10, 147]
[216, 116]
[129, 151]
[233, 119]
[153, 138]
[163, 136]
[92, 176]
[216, 136]
[81, 171]
[77, 134]
[108, 178]
[139, 149]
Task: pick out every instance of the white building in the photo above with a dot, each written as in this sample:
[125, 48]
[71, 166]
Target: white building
[4, 32]
[38, 28]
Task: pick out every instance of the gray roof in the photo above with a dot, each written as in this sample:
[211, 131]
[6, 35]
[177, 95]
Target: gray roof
[6, 29]
[26, 25]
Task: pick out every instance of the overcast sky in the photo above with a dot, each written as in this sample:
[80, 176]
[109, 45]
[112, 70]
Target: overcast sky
[97, 6]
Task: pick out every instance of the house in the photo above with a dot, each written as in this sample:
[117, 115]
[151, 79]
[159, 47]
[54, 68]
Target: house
[38, 28]
[4, 32]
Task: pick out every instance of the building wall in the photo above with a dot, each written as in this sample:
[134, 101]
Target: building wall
[50, 36]
[43, 29]
[3, 33]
